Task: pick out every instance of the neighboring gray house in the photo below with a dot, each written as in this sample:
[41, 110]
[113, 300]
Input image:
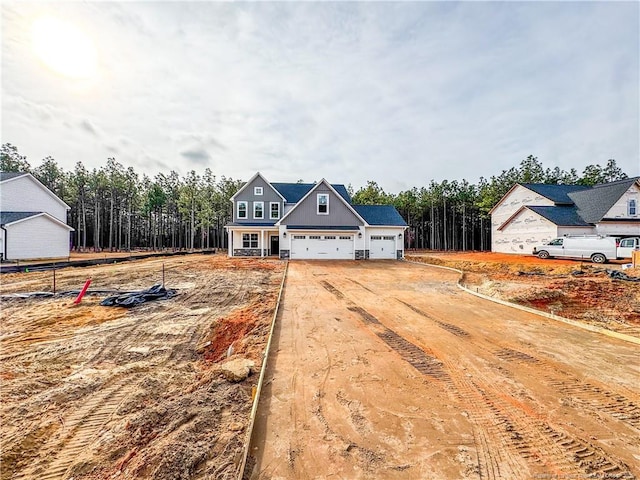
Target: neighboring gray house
[534, 213]
[311, 221]
[33, 221]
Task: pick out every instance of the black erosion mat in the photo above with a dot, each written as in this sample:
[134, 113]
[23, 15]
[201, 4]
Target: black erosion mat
[132, 299]
[116, 298]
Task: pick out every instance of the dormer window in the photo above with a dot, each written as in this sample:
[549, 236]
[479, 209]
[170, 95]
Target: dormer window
[242, 209]
[323, 204]
[632, 207]
[257, 191]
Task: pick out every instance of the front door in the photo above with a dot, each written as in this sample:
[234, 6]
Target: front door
[275, 245]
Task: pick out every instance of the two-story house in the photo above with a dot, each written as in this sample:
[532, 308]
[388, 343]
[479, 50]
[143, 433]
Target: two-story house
[33, 220]
[311, 221]
[533, 213]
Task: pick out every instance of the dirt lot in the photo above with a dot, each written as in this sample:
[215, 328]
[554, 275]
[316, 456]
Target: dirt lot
[388, 370]
[571, 289]
[91, 392]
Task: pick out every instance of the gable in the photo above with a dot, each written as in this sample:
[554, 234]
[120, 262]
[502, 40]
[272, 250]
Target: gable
[246, 192]
[24, 193]
[608, 200]
[11, 219]
[305, 212]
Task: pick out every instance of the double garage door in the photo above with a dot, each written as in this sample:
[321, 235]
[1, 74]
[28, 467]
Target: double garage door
[382, 246]
[327, 247]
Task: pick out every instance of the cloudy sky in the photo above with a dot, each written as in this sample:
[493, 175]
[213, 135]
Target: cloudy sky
[396, 92]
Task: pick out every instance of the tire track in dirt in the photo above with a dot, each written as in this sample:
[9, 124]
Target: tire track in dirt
[80, 427]
[590, 397]
[596, 399]
[528, 444]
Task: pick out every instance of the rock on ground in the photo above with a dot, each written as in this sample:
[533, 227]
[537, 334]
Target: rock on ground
[237, 369]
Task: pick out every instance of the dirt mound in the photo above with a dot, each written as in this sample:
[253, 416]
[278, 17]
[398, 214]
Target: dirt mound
[571, 289]
[91, 392]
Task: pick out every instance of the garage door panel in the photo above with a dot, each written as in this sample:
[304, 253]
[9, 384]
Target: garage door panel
[322, 247]
[382, 247]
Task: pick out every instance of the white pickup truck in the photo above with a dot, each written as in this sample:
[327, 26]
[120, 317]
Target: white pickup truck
[594, 247]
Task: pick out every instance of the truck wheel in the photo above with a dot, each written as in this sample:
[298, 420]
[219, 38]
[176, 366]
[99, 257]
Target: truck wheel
[543, 254]
[598, 258]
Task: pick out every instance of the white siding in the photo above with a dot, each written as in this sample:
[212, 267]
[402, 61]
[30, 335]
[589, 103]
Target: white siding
[25, 194]
[37, 237]
[524, 231]
[619, 209]
[501, 241]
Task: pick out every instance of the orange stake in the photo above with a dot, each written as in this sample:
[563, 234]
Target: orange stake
[83, 291]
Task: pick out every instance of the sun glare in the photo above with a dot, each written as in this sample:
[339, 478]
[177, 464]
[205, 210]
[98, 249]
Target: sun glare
[64, 48]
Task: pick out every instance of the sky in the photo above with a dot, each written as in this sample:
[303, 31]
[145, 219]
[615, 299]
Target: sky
[400, 93]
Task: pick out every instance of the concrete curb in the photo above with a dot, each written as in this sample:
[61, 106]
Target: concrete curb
[263, 369]
[551, 316]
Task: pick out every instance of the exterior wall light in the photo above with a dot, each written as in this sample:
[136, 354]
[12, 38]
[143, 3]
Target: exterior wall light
[359, 234]
[284, 234]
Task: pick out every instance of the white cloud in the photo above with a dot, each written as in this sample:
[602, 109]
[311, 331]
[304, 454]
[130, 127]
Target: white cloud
[400, 93]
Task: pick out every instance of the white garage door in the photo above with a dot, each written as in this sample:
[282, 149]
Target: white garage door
[322, 247]
[382, 247]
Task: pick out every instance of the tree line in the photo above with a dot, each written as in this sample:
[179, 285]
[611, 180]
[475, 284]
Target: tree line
[454, 215]
[115, 208]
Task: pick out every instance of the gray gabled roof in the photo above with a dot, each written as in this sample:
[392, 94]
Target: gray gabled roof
[380, 215]
[10, 217]
[562, 216]
[8, 175]
[558, 194]
[593, 204]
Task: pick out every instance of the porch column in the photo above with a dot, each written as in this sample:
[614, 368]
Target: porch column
[262, 243]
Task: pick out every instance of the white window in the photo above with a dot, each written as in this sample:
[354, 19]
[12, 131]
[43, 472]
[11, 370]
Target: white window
[257, 190]
[329, 237]
[299, 237]
[258, 210]
[314, 237]
[323, 204]
[632, 208]
[242, 209]
[344, 237]
[275, 210]
[249, 240]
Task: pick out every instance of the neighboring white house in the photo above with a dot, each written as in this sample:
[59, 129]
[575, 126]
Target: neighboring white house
[32, 219]
[534, 213]
[311, 221]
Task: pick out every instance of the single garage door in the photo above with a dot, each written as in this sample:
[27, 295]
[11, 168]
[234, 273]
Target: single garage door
[330, 247]
[382, 247]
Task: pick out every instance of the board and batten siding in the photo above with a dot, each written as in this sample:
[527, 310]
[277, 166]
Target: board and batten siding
[37, 237]
[268, 195]
[509, 240]
[306, 211]
[25, 194]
